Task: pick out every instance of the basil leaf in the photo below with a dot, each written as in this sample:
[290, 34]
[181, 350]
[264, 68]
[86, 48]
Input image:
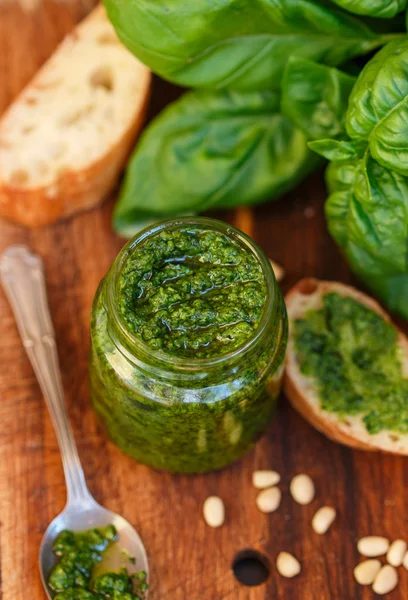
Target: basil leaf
[212, 149]
[338, 150]
[393, 291]
[238, 44]
[340, 177]
[315, 97]
[378, 107]
[384, 9]
[367, 213]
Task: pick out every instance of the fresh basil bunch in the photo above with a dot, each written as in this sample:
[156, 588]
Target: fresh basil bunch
[367, 209]
[236, 145]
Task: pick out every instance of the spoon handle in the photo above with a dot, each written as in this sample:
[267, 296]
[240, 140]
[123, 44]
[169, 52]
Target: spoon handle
[22, 276]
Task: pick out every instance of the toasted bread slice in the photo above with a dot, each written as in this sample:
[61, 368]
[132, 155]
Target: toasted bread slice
[65, 139]
[307, 295]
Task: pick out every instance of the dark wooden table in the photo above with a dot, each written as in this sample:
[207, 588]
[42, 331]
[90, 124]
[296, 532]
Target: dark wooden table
[188, 560]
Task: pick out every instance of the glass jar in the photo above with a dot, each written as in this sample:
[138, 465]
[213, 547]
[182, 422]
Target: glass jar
[185, 414]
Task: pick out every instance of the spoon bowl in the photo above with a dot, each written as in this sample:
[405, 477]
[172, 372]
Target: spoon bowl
[88, 515]
[22, 276]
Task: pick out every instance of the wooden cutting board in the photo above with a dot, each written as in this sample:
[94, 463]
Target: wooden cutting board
[188, 560]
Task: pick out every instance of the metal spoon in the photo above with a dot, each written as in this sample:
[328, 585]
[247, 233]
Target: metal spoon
[22, 276]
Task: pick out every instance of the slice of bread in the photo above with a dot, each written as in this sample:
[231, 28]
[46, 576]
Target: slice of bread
[65, 139]
[307, 295]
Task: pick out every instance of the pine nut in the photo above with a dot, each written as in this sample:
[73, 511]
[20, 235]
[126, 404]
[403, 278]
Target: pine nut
[288, 565]
[396, 553]
[302, 489]
[386, 580]
[405, 561]
[278, 270]
[214, 511]
[323, 518]
[373, 545]
[367, 571]
[268, 500]
[265, 479]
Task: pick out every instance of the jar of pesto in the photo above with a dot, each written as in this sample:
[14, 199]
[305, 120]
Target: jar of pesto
[188, 337]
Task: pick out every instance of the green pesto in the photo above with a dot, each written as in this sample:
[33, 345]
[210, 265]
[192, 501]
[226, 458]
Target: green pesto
[353, 354]
[78, 553]
[192, 292]
[188, 420]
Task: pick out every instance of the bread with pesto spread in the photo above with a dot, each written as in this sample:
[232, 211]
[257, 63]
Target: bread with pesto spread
[65, 140]
[303, 390]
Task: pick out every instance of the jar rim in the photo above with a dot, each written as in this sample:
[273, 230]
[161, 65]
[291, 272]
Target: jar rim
[192, 364]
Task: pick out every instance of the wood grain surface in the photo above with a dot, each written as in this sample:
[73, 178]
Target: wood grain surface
[188, 560]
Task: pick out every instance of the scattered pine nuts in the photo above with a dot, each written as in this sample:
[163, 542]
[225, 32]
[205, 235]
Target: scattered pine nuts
[396, 553]
[405, 561]
[373, 545]
[367, 571]
[323, 518]
[288, 565]
[269, 500]
[278, 270]
[265, 479]
[386, 580]
[302, 489]
[214, 511]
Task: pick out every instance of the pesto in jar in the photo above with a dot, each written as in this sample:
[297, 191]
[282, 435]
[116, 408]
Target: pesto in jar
[188, 337]
[73, 577]
[192, 292]
[353, 355]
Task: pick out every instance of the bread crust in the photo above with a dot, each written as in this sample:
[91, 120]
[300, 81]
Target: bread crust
[294, 383]
[73, 190]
